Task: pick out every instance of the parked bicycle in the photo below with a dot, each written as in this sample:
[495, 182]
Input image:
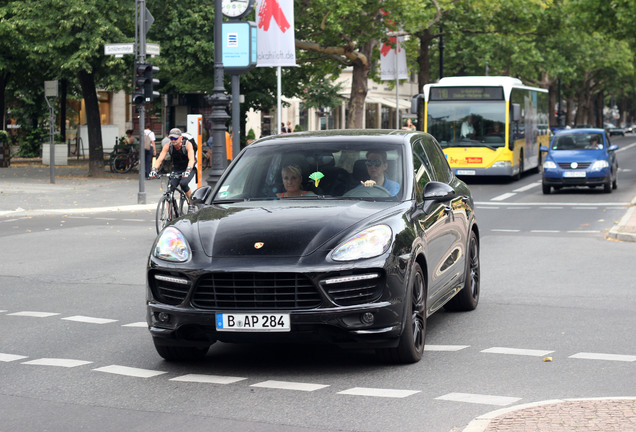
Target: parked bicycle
[124, 162]
[172, 204]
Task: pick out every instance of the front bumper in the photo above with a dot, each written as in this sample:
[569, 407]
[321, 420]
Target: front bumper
[591, 179]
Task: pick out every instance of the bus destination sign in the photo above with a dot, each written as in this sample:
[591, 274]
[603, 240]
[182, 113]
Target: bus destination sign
[466, 93]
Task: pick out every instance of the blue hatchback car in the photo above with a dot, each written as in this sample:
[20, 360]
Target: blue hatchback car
[580, 157]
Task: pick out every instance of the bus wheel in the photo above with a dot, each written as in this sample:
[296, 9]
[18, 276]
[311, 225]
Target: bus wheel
[518, 176]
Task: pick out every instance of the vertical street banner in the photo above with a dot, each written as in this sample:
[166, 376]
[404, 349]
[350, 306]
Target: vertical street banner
[388, 61]
[276, 44]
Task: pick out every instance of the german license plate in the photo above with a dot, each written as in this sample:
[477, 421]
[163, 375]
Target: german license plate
[255, 322]
[465, 172]
[575, 174]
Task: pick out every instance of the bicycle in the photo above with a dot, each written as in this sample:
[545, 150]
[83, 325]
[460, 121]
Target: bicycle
[170, 206]
[124, 162]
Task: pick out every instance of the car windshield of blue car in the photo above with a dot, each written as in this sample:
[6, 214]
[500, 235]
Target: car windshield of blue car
[327, 170]
[578, 141]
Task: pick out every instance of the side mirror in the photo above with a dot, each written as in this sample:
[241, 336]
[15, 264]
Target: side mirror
[543, 148]
[437, 191]
[200, 195]
[415, 101]
[613, 147]
[516, 112]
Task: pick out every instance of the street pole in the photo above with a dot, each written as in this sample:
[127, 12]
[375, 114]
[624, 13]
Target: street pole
[219, 102]
[141, 20]
[236, 114]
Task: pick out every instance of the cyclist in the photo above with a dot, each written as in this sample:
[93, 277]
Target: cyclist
[183, 161]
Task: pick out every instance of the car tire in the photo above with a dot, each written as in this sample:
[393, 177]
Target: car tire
[615, 182]
[546, 189]
[607, 187]
[411, 342]
[178, 353]
[468, 297]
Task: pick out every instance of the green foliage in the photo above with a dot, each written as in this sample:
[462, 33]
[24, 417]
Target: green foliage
[31, 142]
[251, 135]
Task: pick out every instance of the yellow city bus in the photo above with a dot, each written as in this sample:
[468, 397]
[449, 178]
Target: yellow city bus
[487, 126]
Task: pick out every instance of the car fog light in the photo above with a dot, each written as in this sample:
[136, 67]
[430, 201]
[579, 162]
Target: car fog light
[367, 318]
[163, 317]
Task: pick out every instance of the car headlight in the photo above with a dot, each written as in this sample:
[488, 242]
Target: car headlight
[172, 246]
[599, 165]
[369, 243]
[549, 165]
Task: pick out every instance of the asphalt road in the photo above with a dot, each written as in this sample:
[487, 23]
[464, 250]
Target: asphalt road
[75, 353]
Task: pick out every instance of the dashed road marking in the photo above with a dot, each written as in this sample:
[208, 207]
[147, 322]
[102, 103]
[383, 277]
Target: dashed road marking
[545, 231]
[503, 196]
[143, 324]
[528, 187]
[208, 379]
[379, 392]
[505, 230]
[90, 320]
[130, 371]
[57, 362]
[445, 347]
[289, 385]
[11, 357]
[606, 357]
[34, 314]
[517, 351]
[479, 399]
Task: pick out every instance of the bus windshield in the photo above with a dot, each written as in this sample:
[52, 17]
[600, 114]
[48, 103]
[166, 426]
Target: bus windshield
[458, 123]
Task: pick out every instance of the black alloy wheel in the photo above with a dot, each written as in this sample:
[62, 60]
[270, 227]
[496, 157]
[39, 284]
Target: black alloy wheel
[468, 297]
[411, 344]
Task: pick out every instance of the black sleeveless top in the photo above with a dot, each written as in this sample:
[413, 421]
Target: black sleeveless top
[179, 158]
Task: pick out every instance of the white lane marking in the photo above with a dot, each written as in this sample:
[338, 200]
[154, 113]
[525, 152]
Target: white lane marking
[143, 324]
[503, 196]
[3, 311]
[551, 208]
[518, 208]
[78, 217]
[11, 357]
[486, 208]
[600, 356]
[626, 147]
[289, 385]
[606, 204]
[517, 351]
[105, 218]
[585, 208]
[445, 347]
[378, 392]
[479, 399]
[130, 371]
[505, 230]
[134, 220]
[527, 187]
[57, 362]
[208, 379]
[34, 314]
[90, 320]
[545, 231]
[584, 231]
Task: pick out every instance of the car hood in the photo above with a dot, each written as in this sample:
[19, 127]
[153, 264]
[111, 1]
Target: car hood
[280, 229]
[577, 155]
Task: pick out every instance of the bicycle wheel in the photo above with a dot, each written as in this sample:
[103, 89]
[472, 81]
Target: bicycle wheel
[122, 164]
[180, 204]
[164, 213]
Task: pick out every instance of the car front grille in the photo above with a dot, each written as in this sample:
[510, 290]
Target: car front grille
[580, 165]
[169, 288]
[353, 289]
[255, 291]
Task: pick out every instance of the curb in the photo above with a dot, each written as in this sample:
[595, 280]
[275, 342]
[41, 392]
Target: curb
[618, 231]
[87, 210]
[481, 423]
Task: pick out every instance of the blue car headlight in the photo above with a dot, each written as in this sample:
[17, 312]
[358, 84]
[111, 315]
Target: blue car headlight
[599, 165]
[549, 165]
[172, 246]
[369, 243]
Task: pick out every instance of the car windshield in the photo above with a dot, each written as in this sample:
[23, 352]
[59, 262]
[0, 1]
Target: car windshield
[329, 170]
[581, 141]
[455, 124]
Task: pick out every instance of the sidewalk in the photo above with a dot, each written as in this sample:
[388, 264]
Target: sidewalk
[568, 415]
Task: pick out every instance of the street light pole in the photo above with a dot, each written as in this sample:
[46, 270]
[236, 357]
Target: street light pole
[141, 58]
[219, 102]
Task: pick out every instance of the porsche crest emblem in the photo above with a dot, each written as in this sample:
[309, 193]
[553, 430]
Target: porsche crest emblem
[258, 245]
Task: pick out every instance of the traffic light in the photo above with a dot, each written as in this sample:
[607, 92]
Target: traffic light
[144, 83]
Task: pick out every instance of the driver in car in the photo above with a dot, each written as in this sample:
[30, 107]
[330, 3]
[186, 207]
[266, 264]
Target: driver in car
[376, 166]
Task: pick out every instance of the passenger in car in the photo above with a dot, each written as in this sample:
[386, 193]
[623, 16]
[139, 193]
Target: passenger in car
[292, 180]
[376, 166]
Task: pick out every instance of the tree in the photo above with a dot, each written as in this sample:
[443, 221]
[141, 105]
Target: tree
[68, 36]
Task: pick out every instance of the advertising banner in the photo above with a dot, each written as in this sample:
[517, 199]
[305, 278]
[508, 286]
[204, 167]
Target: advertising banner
[388, 62]
[276, 45]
